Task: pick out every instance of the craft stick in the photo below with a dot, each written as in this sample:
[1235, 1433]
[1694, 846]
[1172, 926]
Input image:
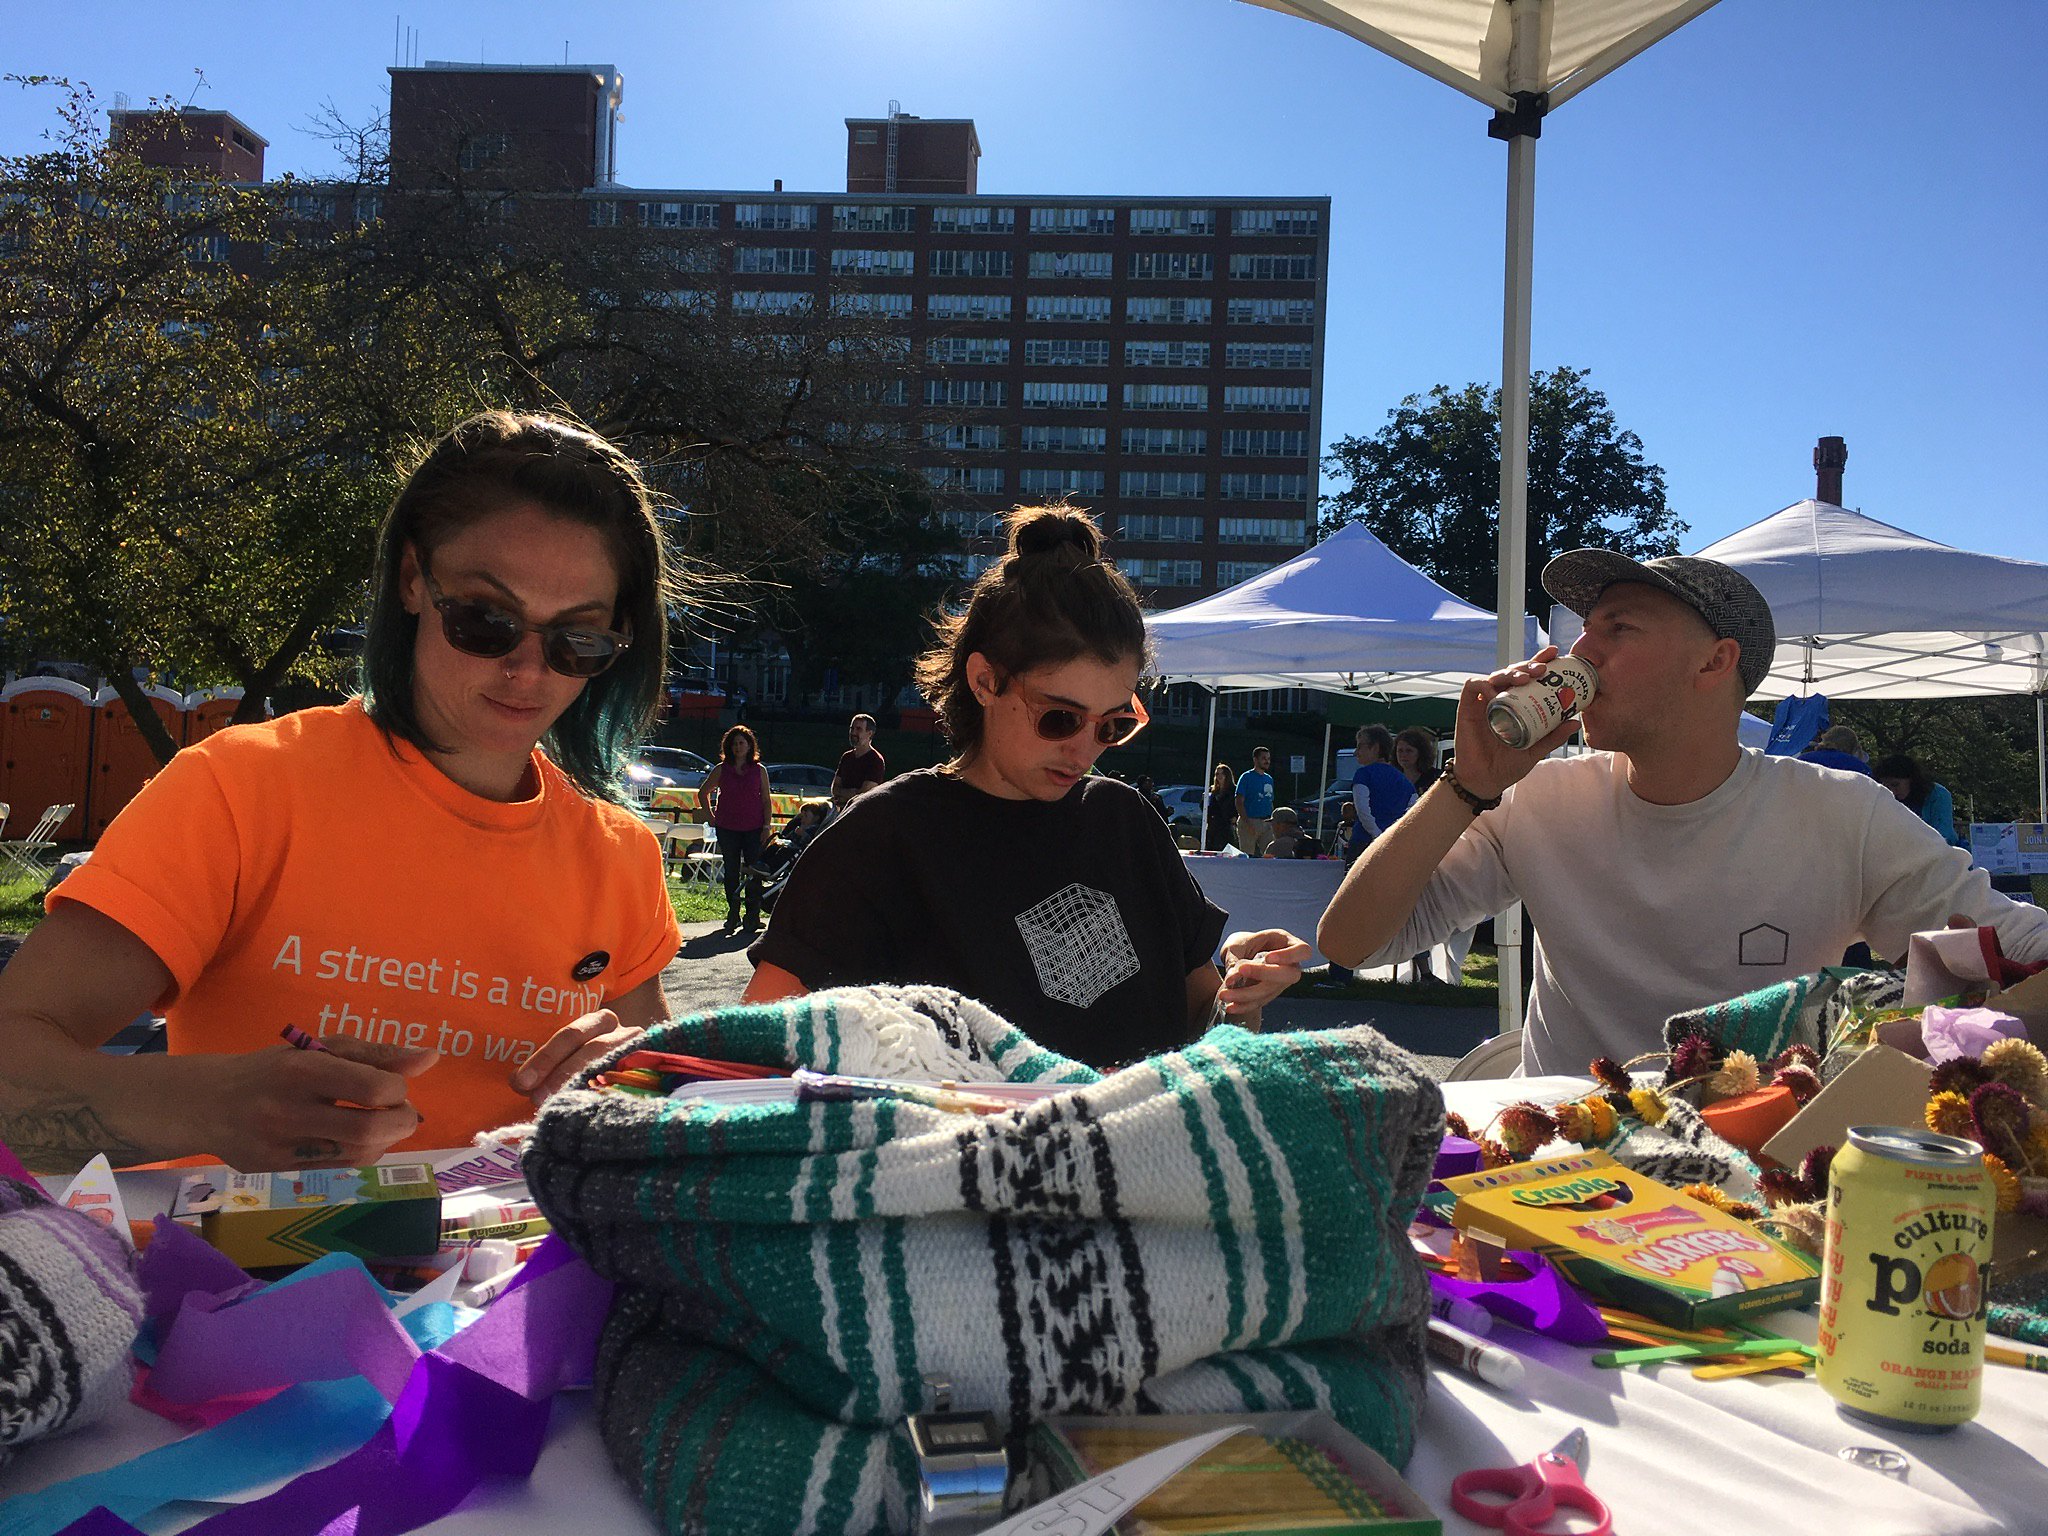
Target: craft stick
[1620, 1357]
[1785, 1360]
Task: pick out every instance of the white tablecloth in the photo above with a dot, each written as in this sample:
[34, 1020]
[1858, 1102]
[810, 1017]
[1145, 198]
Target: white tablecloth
[1268, 893]
[1671, 1455]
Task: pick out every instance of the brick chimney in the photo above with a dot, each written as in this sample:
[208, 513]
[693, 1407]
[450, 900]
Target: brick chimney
[1830, 454]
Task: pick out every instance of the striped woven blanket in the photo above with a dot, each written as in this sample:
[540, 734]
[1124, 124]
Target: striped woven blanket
[1219, 1229]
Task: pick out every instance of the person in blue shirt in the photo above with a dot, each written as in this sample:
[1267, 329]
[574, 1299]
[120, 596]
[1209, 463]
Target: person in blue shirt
[1379, 789]
[1837, 747]
[1931, 802]
[1255, 804]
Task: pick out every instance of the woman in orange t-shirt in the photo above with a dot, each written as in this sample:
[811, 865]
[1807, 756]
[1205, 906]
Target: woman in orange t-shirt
[460, 918]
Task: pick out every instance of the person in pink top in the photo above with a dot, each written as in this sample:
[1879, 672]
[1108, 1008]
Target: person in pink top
[737, 792]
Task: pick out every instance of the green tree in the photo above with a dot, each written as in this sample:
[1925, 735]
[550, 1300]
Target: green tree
[1982, 749]
[1427, 484]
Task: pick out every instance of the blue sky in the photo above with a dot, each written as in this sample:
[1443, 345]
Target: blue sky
[1787, 220]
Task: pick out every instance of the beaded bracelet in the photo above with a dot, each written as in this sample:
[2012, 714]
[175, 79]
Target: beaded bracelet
[1479, 806]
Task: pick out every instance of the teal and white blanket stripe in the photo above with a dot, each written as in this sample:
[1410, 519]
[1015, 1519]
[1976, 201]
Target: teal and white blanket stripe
[1218, 1229]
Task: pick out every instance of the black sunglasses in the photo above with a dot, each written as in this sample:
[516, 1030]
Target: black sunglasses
[482, 629]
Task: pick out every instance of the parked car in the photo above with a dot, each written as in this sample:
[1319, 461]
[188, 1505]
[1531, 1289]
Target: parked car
[664, 768]
[807, 779]
[1183, 808]
[1329, 805]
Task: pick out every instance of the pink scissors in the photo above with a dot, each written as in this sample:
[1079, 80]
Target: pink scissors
[1531, 1494]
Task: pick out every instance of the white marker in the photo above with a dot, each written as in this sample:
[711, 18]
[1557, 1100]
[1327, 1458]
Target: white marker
[1460, 1313]
[1493, 1365]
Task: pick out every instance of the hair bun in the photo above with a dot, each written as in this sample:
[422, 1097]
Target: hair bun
[1043, 530]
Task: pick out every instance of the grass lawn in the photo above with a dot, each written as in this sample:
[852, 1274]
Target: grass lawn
[21, 903]
[1481, 988]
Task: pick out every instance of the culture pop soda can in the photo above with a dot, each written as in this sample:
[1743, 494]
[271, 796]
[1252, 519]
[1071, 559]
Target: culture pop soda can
[1523, 715]
[1903, 1274]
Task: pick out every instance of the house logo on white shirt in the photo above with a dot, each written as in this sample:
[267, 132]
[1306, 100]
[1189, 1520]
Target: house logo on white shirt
[1762, 945]
[1078, 945]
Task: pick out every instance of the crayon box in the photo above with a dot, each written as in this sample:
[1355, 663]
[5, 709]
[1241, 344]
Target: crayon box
[1635, 1242]
[392, 1210]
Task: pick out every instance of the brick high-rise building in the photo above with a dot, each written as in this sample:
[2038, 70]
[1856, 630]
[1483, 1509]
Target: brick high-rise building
[192, 137]
[537, 127]
[1157, 359]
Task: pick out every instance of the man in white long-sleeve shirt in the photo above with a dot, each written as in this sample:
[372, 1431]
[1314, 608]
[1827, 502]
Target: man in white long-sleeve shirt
[1668, 868]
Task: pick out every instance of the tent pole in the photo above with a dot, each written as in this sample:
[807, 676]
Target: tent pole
[1514, 491]
[1209, 769]
[1322, 778]
[2041, 754]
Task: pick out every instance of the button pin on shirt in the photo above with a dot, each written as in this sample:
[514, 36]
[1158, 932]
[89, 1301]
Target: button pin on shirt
[591, 964]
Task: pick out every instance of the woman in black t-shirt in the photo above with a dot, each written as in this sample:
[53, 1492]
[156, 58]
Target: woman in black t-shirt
[1011, 873]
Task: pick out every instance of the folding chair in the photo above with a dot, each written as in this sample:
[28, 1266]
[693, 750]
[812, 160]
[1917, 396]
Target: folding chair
[23, 856]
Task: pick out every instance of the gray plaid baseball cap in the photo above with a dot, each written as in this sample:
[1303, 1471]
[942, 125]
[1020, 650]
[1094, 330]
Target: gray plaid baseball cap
[1720, 594]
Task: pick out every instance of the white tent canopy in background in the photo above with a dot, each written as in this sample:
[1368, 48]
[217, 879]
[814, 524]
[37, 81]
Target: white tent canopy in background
[1347, 615]
[1868, 611]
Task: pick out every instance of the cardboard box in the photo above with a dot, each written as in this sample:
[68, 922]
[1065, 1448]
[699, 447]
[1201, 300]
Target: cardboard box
[259, 1220]
[1883, 1086]
[1056, 1455]
[1630, 1240]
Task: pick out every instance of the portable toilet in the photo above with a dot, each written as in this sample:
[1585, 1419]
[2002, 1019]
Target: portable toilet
[122, 760]
[208, 710]
[45, 752]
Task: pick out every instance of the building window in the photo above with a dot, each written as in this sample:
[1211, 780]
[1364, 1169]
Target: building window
[1267, 354]
[604, 213]
[1059, 482]
[1161, 527]
[1179, 440]
[775, 216]
[966, 394]
[755, 301]
[1272, 312]
[697, 300]
[873, 218]
[869, 263]
[1162, 484]
[956, 437]
[314, 207]
[1067, 309]
[1166, 397]
[1061, 439]
[1162, 573]
[369, 208]
[693, 258]
[1085, 265]
[866, 136]
[1173, 221]
[782, 260]
[972, 523]
[1166, 354]
[1265, 443]
[965, 479]
[1044, 395]
[1262, 530]
[970, 264]
[1167, 311]
[1073, 221]
[1177, 265]
[887, 392]
[967, 306]
[990, 350]
[1230, 572]
[1265, 488]
[1274, 221]
[481, 149]
[891, 306]
[1066, 352]
[974, 221]
[679, 215]
[1265, 397]
[1281, 269]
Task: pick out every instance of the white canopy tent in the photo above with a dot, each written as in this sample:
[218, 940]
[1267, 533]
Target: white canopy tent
[1523, 58]
[1868, 611]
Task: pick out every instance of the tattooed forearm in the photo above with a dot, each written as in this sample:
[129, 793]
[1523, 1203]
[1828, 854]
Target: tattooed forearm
[62, 1135]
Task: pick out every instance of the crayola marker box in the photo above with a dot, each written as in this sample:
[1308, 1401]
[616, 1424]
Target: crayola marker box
[391, 1210]
[1630, 1240]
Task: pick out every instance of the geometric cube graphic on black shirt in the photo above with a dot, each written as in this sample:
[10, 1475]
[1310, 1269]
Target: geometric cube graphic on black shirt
[1078, 945]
